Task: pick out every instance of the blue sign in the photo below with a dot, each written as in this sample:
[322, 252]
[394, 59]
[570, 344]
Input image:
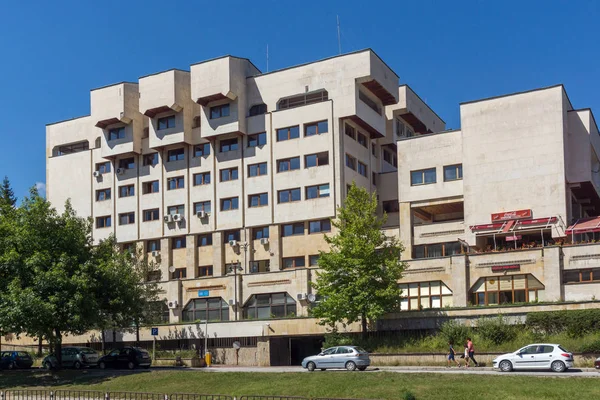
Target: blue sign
[154, 331]
[203, 293]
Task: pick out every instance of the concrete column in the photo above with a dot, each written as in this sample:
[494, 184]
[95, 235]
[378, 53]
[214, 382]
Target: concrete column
[552, 274]
[460, 280]
[274, 248]
[405, 230]
[191, 256]
[166, 258]
[218, 254]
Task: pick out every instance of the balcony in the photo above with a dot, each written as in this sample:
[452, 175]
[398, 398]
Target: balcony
[439, 232]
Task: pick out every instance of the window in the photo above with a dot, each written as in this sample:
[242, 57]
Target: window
[422, 177]
[350, 131]
[260, 266]
[153, 245]
[292, 229]
[72, 148]
[176, 155]
[260, 139]
[257, 169]
[288, 164]
[391, 206]
[362, 169]
[127, 218]
[231, 235]
[219, 111]
[202, 206]
[258, 200]
[210, 309]
[127, 163]
[151, 215]
[323, 225]
[399, 128]
[314, 192]
[202, 150]
[126, 191]
[350, 162]
[202, 178]
[362, 139]
[374, 149]
[313, 260]
[293, 262]
[179, 273]
[103, 222]
[316, 128]
[424, 295]
[178, 242]
[269, 305]
[387, 156]
[179, 209]
[228, 145]
[102, 194]
[205, 270]
[316, 160]
[303, 99]
[166, 122]
[506, 289]
[176, 182]
[150, 187]
[150, 159]
[229, 174]
[231, 203]
[581, 275]
[369, 102]
[437, 250]
[288, 195]
[103, 168]
[257, 109]
[205, 240]
[395, 161]
[260, 233]
[374, 178]
[453, 172]
[116, 133]
[292, 132]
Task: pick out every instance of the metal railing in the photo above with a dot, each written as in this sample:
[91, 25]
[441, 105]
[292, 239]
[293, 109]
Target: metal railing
[187, 396]
[273, 398]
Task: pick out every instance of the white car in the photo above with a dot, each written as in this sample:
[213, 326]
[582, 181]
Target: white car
[536, 356]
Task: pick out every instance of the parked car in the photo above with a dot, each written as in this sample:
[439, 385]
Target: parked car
[597, 363]
[349, 357]
[15, 359]
[536, 356]
[72, 357]
[127, 357]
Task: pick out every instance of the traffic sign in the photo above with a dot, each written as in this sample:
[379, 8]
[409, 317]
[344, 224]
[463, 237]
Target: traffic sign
[203, 293]
[154, 331]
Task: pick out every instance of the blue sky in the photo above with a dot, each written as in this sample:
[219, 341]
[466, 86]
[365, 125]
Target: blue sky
[53, 53]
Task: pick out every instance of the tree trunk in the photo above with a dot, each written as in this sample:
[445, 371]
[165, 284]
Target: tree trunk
[137, 333]
[114, 338]
[58, 347]
[363, 322]
[103, 342]
[39, 353]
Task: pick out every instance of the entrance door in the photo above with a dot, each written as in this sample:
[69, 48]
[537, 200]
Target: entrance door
[279, 351]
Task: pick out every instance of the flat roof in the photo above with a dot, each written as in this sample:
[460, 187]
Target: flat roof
[591, 113]
[427, 135]
[114, 84]
[225, 56]
[419, 97]
[162, 72]
[515, 94]
[67, 120]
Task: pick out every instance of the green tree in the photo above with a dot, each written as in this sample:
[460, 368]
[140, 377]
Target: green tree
[358, 280]
[8, 201]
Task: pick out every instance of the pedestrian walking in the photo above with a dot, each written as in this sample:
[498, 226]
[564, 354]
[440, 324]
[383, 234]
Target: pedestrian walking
[451, 355]
[471, 351]
[466, 356]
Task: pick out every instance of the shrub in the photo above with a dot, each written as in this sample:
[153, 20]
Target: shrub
[408, 396]
[593, 347]
[496, 330]
[576, 323]
[452, 331]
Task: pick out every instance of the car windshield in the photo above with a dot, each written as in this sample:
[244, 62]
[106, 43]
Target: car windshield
[87, 350]
[360, 349]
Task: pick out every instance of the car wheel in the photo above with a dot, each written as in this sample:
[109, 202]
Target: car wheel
[12, 365]
[77, 365]
[558, 366]
[505, 366]
[311, 366]
[362, 368]
[131, 365]
[350, 365]
[47, 366]
[322, 369]
[102, 365]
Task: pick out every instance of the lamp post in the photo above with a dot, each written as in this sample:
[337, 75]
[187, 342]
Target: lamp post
[236, 267]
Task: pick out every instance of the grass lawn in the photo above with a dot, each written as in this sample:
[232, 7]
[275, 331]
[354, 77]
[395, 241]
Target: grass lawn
[375, 385]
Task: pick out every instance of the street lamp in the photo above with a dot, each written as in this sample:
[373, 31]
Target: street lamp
[235, 268]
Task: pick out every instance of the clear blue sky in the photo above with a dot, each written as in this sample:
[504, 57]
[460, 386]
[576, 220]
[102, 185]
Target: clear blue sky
[54, 52]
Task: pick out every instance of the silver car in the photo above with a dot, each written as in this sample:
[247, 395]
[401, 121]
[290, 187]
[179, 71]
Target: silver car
[349, 357]
[536, 356]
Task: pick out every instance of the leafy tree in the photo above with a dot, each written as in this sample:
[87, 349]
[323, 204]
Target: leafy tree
[359, 276]
[8, 201]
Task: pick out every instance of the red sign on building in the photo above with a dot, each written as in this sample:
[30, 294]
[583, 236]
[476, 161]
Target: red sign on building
[502, 268]
[510, 215]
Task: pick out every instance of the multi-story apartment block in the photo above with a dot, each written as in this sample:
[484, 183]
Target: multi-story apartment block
[228, 177]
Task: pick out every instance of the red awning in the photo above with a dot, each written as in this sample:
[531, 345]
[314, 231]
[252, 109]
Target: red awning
[516, 225]
[585, 225]
[507, 226]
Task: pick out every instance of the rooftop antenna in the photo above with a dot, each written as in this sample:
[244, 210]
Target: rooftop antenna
[339, 39]
[267, 57]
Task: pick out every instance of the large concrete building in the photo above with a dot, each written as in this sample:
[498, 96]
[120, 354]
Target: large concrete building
[228, 177]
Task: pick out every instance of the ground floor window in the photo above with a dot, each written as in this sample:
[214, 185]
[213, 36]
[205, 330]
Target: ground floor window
[581, 275]
[422, 295]
[437, 250]
[506, 290]
[213, 309]
[270, 305]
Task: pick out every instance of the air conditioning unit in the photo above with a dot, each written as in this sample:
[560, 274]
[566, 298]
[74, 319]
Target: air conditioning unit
[301, 296]
[120, 171]
[264, 241]
[172, 304]
[168, 218]
[231, 302]
[201, 214]
[177, 217]
[233, 243]
[97, 174]
[156, 253]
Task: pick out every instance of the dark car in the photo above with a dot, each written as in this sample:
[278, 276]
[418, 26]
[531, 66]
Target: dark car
[15, 359]
[597, 363]
[74, 357]
[127, 357]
